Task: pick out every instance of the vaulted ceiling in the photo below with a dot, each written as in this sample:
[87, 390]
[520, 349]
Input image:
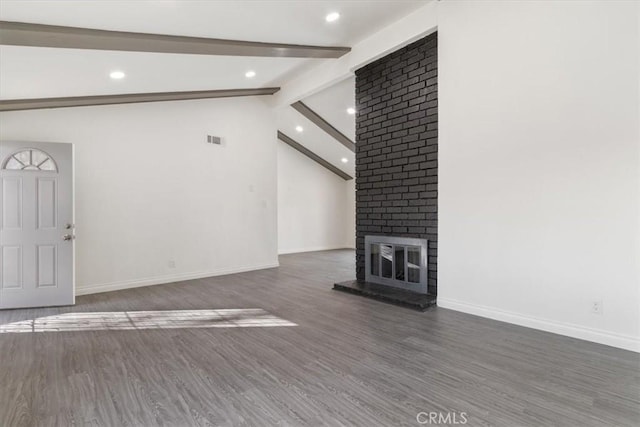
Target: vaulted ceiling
[331, 104]
[44, 72]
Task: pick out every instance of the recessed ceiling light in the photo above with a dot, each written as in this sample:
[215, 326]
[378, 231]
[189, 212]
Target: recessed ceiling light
[344, 160]
[250, 74]
[117, 75]
[351, 110]
[332, 17]
[299, 128]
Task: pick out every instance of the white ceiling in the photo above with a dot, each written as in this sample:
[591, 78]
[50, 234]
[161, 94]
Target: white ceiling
[284, 21]
[332, 103]
[315, 139]
[31, 72]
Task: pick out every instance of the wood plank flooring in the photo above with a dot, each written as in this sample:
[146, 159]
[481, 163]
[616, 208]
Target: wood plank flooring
[350, 361]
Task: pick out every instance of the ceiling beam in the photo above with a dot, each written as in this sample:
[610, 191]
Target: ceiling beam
[313, 156]
[315, 118]
[129, 98]
[38, 35]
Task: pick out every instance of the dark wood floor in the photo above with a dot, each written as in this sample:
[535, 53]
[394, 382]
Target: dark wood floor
[350, 361]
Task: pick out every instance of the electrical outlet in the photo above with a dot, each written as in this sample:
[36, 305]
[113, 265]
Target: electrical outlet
[171, 264]
[596, 307]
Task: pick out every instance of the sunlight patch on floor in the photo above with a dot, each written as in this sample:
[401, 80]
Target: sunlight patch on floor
[138, 320]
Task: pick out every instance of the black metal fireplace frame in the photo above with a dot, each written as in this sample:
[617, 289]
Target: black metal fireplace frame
[420, 286]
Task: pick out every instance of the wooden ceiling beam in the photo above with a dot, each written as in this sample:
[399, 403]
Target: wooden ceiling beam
[130, 98]
[316, 119]
[313, 156]
[53, 36]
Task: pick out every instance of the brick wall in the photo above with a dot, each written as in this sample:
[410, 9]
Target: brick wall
[397, 149]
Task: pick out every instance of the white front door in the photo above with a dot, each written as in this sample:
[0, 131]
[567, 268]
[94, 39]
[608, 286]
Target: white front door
[36, 224]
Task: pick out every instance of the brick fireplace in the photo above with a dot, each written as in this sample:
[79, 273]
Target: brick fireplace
[397, 151]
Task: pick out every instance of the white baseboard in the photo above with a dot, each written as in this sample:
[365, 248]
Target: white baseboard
[311, 249]
[159, 280]
[602, 337]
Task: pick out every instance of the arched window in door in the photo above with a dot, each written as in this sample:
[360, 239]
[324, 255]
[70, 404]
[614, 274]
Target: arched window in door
[30, 159]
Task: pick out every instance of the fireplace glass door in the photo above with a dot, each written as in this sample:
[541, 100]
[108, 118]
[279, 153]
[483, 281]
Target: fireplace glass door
[397, 261]
[400, 262]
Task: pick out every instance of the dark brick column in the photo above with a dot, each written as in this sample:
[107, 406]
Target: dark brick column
[397, 149]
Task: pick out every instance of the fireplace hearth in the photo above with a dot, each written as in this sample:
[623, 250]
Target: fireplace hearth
[396, 271]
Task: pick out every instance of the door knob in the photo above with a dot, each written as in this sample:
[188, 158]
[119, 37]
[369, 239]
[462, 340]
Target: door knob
[67, 237]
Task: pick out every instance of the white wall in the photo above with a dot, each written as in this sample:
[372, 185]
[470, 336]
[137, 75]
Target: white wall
[316, 208]
[539, 193]
[350, 223]
[150, 190]
[539, 168]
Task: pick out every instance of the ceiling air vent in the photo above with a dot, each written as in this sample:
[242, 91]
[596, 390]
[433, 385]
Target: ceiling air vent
[214, 139]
